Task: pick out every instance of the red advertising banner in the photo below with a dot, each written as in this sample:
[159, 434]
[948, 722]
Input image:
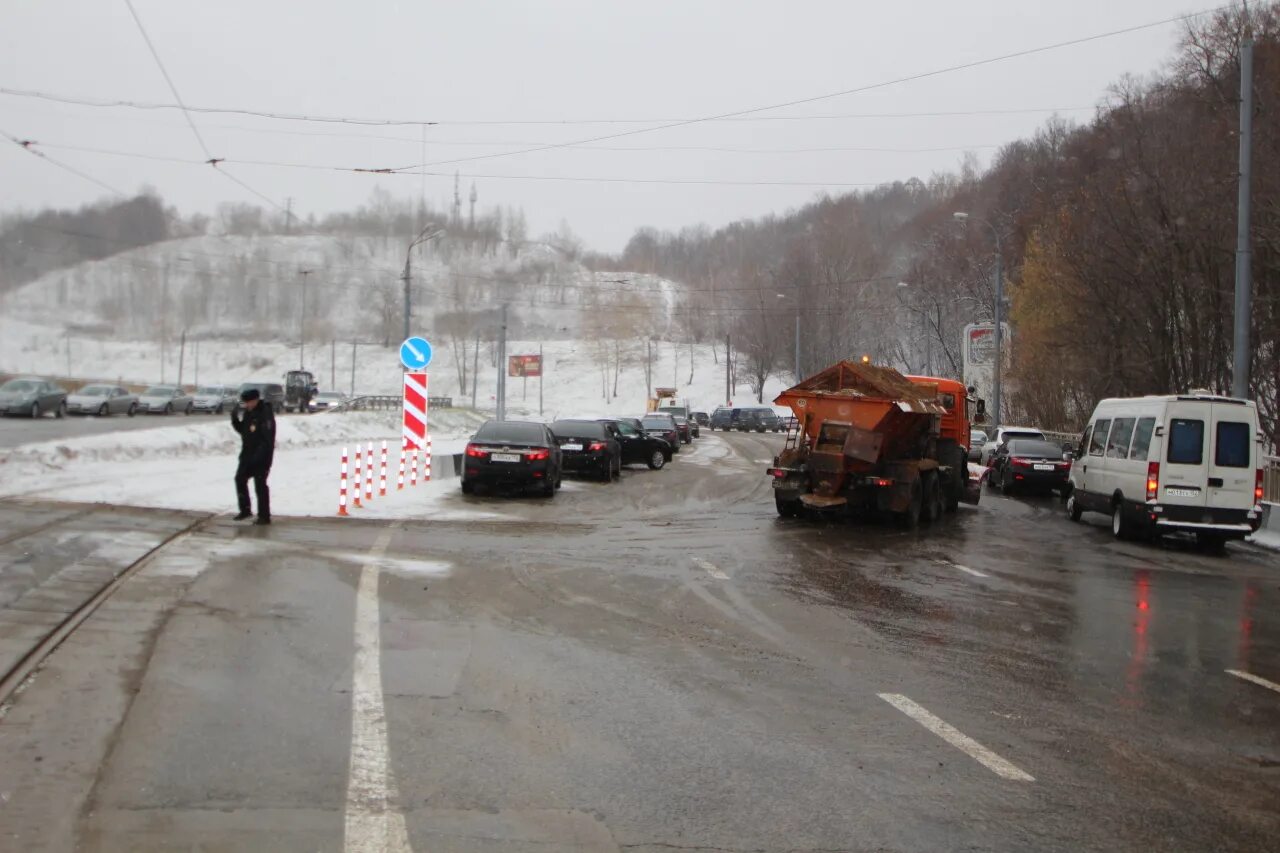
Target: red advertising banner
[524, 365]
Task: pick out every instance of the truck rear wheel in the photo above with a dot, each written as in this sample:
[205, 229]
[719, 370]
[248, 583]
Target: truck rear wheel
[951, 453]
[931, 509]
[910, 517]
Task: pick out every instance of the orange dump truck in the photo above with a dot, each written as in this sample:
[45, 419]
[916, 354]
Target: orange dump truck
[869, 439]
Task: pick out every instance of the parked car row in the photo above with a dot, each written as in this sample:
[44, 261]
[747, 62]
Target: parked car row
[749, 419]
[35, 397]
[522, 454]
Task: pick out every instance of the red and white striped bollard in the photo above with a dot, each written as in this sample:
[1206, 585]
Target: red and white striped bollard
[342, 488]
[355, 470]
[382, 473]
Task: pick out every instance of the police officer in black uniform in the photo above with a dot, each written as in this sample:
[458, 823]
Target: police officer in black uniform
[256, 423]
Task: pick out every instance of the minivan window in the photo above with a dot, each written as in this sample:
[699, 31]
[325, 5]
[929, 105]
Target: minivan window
[1186, 441]
[1099, 441]
[1231, 450]
[1142, 439]
[1118, 444]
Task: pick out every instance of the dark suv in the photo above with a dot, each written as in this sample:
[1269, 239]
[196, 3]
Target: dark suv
[723, 417]
[759, 419]
[512, 454]
[271, 392]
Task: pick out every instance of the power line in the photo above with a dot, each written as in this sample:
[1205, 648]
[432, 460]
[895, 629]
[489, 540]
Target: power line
[910, 78]
[28, 145]
[172, 88]
[210, 160]
[394, 172]
[79, 100]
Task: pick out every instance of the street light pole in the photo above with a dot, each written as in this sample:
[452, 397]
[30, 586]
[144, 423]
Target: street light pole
[1242, 356]
[302, 320]
[422, 237]
[961, 216]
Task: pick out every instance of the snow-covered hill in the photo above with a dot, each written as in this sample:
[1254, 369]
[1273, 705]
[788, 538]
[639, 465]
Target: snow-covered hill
[254, 288]
[237, 301]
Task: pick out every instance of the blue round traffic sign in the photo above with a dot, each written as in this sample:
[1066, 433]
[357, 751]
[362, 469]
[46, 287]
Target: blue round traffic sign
[415, 353]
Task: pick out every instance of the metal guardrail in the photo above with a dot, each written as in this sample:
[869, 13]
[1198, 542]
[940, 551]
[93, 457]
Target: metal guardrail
[1271, 479]
[385, 402]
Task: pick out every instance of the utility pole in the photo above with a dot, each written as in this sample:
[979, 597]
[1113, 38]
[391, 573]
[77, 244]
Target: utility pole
[799, 375]
[542, 372]
[1241, 361]
[422, 237]
[302, 320]
[728, 375]
[288, 215]
[333, 363]
[998, 365]
[69, 356]
[182, 352]
[197, 346]
[502, 367]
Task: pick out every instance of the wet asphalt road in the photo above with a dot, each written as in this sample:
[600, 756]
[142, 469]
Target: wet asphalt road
[16, 431]
[652, 665]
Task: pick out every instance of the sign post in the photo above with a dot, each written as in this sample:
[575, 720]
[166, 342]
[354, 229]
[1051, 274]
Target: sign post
[979, 355]
[525, 366]
[415, 355]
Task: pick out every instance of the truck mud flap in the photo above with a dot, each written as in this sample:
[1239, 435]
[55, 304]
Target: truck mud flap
[822, 502]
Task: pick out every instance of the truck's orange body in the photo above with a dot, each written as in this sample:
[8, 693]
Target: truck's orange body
[870, 437]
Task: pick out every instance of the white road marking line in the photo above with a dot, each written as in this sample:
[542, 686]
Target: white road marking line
[956, 738]
[1256, 679]
[710, 568]
[974, 572]
[965, 569]
[370, 824]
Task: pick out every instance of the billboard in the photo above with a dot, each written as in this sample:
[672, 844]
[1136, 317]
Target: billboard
[979, 354]
[524, 365]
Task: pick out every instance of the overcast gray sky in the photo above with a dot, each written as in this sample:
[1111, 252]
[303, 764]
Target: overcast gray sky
[489, 61]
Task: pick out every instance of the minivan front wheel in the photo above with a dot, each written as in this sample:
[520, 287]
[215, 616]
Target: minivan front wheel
[1074, 510]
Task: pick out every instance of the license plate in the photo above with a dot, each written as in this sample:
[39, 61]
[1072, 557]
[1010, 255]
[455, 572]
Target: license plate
[1043, 467]
[571, 447]
[1182, 493]
[505, 457]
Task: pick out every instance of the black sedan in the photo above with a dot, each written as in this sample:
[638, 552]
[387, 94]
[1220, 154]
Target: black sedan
[512, 454]
[664, 427]
[587, 448]
[638, 447]
[1029, 463]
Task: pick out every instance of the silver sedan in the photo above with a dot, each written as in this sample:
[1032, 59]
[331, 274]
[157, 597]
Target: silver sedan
[165, 400]
[102, 400]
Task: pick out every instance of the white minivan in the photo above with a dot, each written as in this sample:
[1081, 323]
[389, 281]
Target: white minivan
[1156, 465]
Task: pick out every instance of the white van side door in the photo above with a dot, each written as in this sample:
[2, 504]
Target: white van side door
[1233, 460]
[1184, 470]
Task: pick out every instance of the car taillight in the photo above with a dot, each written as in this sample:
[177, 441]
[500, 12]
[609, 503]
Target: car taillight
[777, 473]
[596, 445]
[1019, 461]
[1257, 488]
[538, 455]
[883, 482]
[476, 452]
[1153, 480]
